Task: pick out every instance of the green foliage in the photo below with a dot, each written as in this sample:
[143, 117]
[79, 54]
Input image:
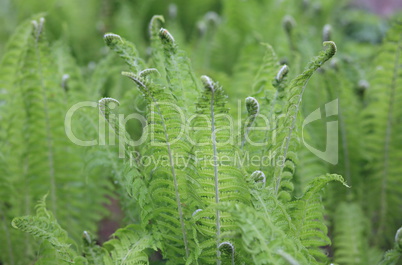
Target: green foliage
[309, 217]
[128, 247]
[179, 201]
[350, 239]
[44, 226]
[200, 178]
[38, 157]
[383, 132]
[392, 257]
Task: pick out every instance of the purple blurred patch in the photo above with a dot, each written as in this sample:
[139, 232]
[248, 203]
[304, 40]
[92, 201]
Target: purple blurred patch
[381, 7]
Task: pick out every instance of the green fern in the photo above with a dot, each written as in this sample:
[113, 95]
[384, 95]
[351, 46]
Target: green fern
[164, 125]
[263, 240]
[350, 226]
[392, 257]
[179, 75]
[307, 213]
[219, 178]
[189, 185]
[286, 131]
[35, 104]
[128, 247]
[382, 127]
[45, 227]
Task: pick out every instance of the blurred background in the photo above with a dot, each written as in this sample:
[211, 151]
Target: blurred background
[381, 7]
[82, 23]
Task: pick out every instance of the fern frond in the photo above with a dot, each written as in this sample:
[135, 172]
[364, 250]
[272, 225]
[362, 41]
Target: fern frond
[263, 240]
[307, 215]
[382, 126]
[12, 119]
[34, 136]
[170, 181]
[49, 255]
[129, 246]
[106, 107]
[103, 161]
[266, 203]
[287, 129]
[349, 235]
[179, 75]
[220, 179]
[157, 59]
[45, 227]
[260, 140]
[126, 50]
[15, 51]
[128, 175]
[53, 161]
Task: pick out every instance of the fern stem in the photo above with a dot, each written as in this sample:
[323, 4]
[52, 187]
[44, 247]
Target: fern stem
[213, 136]
[280, 76]
[388, 135]
[176, 186]
[301, 81]
[285, 147]
[49, 138]
[170, 155]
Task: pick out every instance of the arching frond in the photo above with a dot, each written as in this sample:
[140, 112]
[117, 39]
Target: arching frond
[287, 137]
[45, 227]
[307, 215]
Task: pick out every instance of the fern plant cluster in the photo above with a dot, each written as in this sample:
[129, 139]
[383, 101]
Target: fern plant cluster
[207, 153]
